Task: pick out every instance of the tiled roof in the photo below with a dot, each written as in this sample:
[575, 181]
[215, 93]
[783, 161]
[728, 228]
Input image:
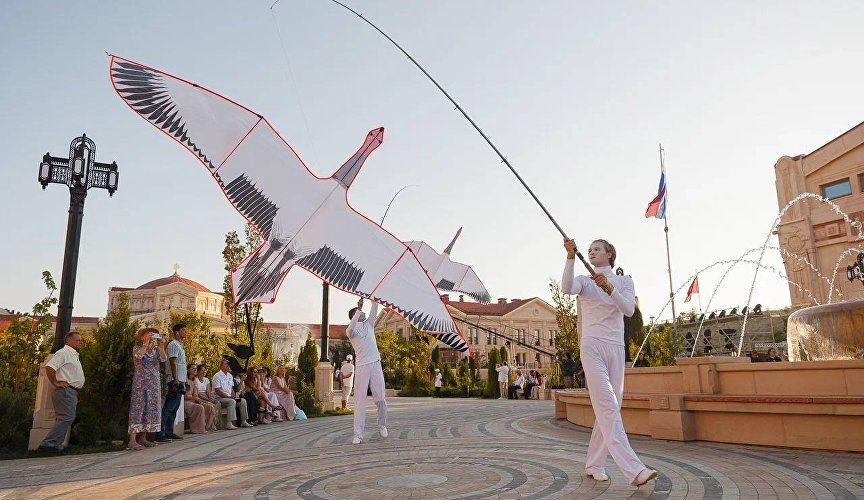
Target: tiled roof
[174, 278]
[494, 309]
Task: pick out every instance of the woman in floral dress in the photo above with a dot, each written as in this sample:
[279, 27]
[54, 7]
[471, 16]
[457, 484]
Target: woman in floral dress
[145, 409]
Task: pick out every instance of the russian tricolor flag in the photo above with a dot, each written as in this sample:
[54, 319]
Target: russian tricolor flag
[657, 207]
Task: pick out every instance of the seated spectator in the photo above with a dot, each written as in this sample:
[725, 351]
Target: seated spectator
[530, 382]
[284, 394]
[274, 412]
[641, 362]
[199, 412]
[772, 355]
[223, 393]
[539, 388]
[243, 393]
[516, 385]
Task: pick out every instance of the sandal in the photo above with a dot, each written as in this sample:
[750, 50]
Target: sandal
[148, 444]
[137, 447]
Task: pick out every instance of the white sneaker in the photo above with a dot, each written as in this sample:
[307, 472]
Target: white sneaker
[246, 424]
[383, 432]
[230, 427]
[501, 398]
[356, 440]
[599, 476]
[644, 476]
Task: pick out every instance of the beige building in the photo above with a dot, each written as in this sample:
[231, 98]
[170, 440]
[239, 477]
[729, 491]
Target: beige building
[811, 232]
[151, 302]
[531, 321]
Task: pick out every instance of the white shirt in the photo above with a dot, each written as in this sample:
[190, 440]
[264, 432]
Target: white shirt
[438, 379]
[348, 369]
[202, 386]
[519, 381]
[362, 337]
[224, 381]
[602, 314]
[68, 367]
[503, 372]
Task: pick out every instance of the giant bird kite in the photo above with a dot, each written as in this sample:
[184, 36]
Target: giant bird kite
[448, 275]
[304, 220]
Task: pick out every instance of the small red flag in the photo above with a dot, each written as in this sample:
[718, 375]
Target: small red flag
[694, 288]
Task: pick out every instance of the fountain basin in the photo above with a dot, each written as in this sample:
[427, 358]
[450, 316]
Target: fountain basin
[827, 332]
[816, 404]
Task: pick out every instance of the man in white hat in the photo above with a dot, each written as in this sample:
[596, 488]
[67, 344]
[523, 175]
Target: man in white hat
[438, 381]
[347, 375]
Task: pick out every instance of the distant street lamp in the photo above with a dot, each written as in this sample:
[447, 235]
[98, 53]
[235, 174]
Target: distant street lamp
[80, 172]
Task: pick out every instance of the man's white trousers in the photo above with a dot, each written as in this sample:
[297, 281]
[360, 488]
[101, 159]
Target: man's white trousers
[368, 376]
[604, 372]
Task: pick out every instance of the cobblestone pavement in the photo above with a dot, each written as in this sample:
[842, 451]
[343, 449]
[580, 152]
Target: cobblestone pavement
[435, 449]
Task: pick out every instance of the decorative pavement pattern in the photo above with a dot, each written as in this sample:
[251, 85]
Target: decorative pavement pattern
[461, 449]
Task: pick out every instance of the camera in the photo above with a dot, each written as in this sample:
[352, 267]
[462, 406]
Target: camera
[156, 335]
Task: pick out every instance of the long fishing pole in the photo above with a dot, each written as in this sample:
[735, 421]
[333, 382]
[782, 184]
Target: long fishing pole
[488, 141]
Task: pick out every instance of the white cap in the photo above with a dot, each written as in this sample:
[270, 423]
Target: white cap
[349, 357]
[437, 370]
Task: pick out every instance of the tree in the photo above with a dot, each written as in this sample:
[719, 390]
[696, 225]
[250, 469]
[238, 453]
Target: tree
[202, 346]
[306, 362]
[663, 345]
[503, 355]
[415, 365]
[633, 327]
[23, 346]
[567, 339]
[340, 351]
[25, 343]
[245, 319]
[492, 390]
[393, 358]
[107, 361]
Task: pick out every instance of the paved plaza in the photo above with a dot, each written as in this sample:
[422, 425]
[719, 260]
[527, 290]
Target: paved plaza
[436, 449]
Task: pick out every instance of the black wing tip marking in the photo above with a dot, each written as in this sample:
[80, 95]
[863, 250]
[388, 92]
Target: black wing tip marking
[144, 90]
[333, 267]
[252, 203]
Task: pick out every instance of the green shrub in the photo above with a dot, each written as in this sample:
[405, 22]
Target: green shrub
[308, 403]
[492, 390]
[16, 413]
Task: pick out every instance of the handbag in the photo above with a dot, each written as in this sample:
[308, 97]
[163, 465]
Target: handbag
[300, 415]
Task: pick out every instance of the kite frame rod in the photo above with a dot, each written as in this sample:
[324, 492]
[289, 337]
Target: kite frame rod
[488, 141]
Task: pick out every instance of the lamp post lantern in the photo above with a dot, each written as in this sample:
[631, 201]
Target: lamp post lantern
[79, 172]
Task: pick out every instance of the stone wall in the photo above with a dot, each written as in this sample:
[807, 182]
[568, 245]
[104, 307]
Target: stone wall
[818, 405]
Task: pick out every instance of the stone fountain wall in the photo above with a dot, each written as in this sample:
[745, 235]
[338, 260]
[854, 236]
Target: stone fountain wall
[817, 405]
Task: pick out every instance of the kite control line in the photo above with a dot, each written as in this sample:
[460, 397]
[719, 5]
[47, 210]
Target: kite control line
[458, 107]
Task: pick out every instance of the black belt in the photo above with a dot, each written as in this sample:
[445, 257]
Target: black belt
[73, 388]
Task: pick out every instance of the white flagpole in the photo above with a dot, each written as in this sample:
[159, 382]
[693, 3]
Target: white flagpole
[666, 231]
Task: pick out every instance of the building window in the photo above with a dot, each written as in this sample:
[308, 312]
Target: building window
[536, 337]
[552, 338]
[494, 337]
[837, 189]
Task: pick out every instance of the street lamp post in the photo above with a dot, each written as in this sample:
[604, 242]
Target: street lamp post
[79, 172]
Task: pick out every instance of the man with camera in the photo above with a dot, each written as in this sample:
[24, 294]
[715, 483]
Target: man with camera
[175, 386]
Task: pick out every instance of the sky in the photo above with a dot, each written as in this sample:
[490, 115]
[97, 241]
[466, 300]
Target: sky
[577, 95]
